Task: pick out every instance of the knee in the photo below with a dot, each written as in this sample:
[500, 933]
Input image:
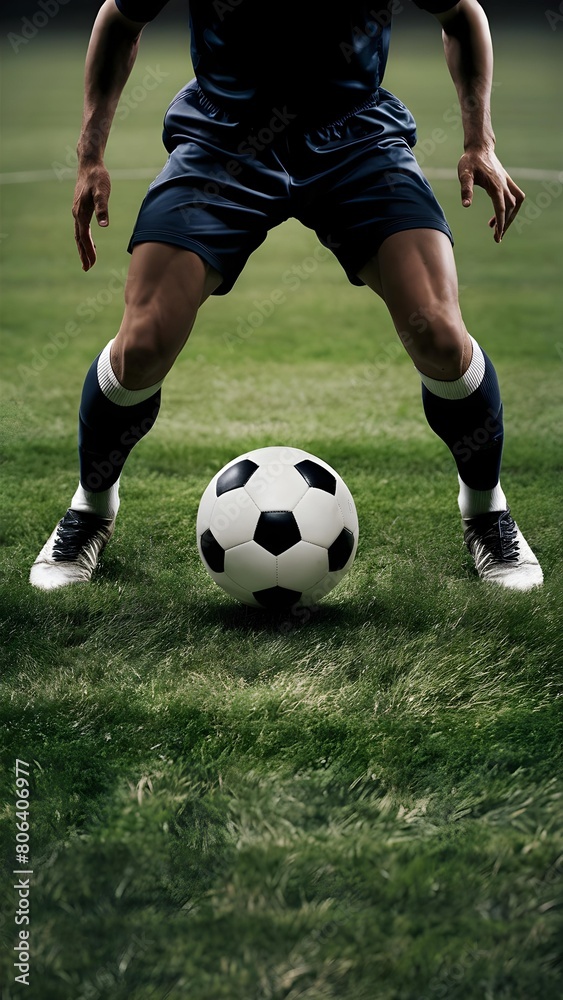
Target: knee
[442, 355]
[438, 343]
[142, 353]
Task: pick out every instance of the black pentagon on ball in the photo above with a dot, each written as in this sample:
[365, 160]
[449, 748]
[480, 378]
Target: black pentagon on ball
[238, 475]
[277, 531]
[276, 598]
[315, 475]
[340, 550]
[213, 553]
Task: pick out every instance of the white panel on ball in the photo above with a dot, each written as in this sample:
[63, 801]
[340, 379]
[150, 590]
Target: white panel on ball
[302, 566]
[251, 566]
[276, 487]
[234, 518]
[319, 517]
[347, 506]
[232, 588]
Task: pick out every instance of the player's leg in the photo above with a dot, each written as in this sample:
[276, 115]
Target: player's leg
[121, 396]
[121, 399]
[414, 272]
[207, 211]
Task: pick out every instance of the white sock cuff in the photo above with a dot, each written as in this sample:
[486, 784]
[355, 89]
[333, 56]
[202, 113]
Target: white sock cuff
[104, 504]
[473, 502]
[462, 387]
[112, 388]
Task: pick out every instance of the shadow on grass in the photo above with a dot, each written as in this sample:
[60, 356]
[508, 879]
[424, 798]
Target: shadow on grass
[233, 617]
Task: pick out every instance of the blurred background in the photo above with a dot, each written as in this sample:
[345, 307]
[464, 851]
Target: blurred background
[73, 12]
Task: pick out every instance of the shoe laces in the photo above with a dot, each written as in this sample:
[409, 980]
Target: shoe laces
[75, 530]
[501, 537]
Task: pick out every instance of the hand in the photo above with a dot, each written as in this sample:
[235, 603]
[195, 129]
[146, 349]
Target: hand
[482, 167]
[91, 195]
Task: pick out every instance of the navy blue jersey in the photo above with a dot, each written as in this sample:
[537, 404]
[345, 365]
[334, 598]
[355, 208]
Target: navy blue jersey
[250, 56]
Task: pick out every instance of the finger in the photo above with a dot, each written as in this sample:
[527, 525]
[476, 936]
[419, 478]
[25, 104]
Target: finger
[511, 212]
[497, 199]
[511, 207]
[467, 182]
[82, 213]
[517, 197]
[515, 190]
[84, 243]
[79, 246]
[101, 208]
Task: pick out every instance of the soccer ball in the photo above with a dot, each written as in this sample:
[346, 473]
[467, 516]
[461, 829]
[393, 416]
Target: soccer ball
[277, 527]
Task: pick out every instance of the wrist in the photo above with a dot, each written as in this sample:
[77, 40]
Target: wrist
[93, 139]
[89, 154]
[478, 131]
[479, 144]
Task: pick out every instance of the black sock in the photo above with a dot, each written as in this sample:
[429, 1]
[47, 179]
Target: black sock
[112, 420]
[467, 415]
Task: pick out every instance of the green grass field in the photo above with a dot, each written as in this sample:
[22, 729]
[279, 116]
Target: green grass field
[364, 803]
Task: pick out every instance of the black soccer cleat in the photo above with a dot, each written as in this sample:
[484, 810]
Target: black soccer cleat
[71, 552]
[501, 553]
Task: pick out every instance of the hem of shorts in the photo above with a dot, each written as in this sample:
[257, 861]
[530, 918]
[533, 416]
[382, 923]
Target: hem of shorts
[398, 228]
[156, 236]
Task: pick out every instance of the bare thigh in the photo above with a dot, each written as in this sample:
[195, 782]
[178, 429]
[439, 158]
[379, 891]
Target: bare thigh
[414, 273]
[165, 287]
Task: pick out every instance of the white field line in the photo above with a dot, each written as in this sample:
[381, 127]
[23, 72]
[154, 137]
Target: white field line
[520, 173]
[33, 176]
[148, 173]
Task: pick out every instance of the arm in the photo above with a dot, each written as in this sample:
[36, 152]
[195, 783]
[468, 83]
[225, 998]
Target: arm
[469, 55]
[110, 58]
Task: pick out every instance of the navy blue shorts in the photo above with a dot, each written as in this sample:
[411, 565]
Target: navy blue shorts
[353, 181]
